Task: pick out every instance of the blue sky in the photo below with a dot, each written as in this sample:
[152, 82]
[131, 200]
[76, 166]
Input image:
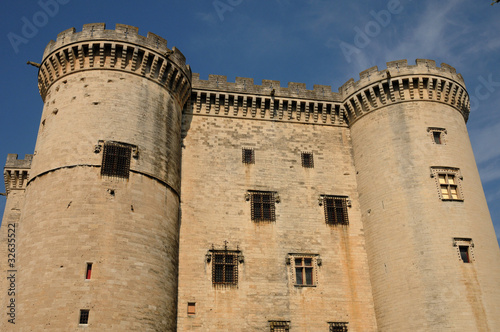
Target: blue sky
[290, 41]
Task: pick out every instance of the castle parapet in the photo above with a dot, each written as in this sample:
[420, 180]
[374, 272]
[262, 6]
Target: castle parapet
[269, 100]
[121, 49]
[16, 172]
[402, 83]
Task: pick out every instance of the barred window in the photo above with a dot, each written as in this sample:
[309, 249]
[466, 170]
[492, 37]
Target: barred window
[116, 160]
[279, 326]
[224, 268]
[448, 183]
[248, 156]
[338, 327]
[263, 206]
[84, 316]
[336, 210]
[307, 159]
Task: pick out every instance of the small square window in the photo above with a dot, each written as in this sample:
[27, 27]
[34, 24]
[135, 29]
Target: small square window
[191, 308]
[84, 316]
[304, 269]
[263, 206]
[279, 326]
[437, 137]
[338, 327]
[336, 210]
[307, 159]
[224, 268]
[448, 182]
[88, 273]
[116, 160]
[248, 156]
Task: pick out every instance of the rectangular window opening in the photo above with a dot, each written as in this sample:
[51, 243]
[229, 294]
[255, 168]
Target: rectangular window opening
[263, 206]
[336, 210]
[88, 273]
[338, 327]
[304, 271]
[116, 160]
[191, 309]
[464, 253]
[84, 316]
[279, 326]
[437, 137]
[248, 156]
[224, 268]
[307, 159]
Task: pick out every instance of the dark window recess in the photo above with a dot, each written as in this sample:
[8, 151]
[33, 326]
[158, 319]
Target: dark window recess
[248, 156]
[224, 268]
[338, 327]
[88, 273]
[307, 160]
[437, 137]
[336, 210]
[304, 271]
[279, 326]
[116, 160]
[84, 316]
[263, 206]
[464, 253]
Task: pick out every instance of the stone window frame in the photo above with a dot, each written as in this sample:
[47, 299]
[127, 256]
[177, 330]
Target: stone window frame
[442, 135]
[316, 262]
[461, 242]
[437, 171]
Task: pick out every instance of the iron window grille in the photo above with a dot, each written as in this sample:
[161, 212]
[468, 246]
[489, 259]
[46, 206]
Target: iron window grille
[225, 267]
[116, 160]
[336, 210]
[338, 326]
[263, 205]
[248, 156]
[84, 316]
[279, 326]
[307, 159]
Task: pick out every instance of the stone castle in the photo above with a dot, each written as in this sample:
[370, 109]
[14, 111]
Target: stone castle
[158, 201]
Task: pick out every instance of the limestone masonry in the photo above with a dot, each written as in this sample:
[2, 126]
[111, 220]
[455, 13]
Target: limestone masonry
[159, 201]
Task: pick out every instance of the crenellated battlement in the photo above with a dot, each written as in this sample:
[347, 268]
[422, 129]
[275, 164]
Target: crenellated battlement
[16, 172]
[267, 88]
[268, 101]
[402, 83]
[121, 49]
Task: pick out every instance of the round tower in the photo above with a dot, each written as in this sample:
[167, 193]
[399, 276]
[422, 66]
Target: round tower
[433, 256]
[103, 196]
